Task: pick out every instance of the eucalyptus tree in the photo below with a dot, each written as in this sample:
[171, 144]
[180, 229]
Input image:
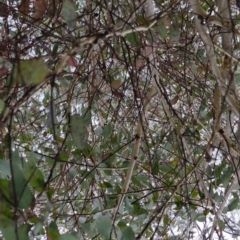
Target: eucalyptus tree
[119, 120]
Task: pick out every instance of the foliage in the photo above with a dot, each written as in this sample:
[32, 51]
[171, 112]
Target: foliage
[119, 120]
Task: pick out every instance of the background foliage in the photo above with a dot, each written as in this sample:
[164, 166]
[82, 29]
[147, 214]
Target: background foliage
[119, 119]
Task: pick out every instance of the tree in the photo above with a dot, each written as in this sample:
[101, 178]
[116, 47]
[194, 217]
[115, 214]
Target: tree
[119, 120]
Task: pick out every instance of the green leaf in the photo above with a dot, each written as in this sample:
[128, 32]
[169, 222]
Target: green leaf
[79, 131]
[29, 72]
[69, 13]
[237, 80]
[22, 191]
[107, 130]
[52, 231]
[63, 156]
[155, 167]
[98, 131]
[2, 105]
[162, 29]
[165, 168]
[233, 204]
[202, 106]
[225, 179]
[122, 224]
[128, 234]
[5, 200]
[128, 205]
[221, 224]
[141, 19]
[55, 49]
[106, 185]
[34, 175]
[165, 220]
[174, 34]
[5, 169]
[201, 217]
[201, 195]
[9, 231]
[87, 118]
[132, 38]
[104, 226]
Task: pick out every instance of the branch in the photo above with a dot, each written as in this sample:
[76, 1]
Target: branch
[230, 98]
[138, 134]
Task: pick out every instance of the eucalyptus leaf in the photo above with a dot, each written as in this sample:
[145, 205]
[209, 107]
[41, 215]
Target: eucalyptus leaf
[132, 38]
[69, 13]
[104, 226]
[32, 71]
[2, 105]
[162, 29]
[10, 233]
[52, 230]
[34, 175]
[79, 131]
[127, 234]
[20, 187]
[233, 204]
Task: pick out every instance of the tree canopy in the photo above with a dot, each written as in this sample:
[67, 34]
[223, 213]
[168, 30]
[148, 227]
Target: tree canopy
[119, 119]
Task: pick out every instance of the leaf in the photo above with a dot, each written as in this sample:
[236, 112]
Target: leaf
[118, 94]
[237, 80]
[166, 21]
[79, 131]
[162, 29]
[221, 224]
[225, 179]
[174, 34]
[55, 49]
[139, 64]
[174, 100]
[202, 106]
[129, 207]
[132, 38]
[52, 231]
[98, 131]
[104, 226]
[201, 217]
[8, 230]
[141, 19]
[165, 220]
[5, 200]
[128, 234]
[40, 8]
[147, 51]
[4, 10]
[107, 130]
[22, 191]
[116, 84]
[23, 7]
[86, 117]
[155, 167]
[69, 13]
[3, 71]
[233, 204]
[72, 61]
[34, 175]
[2, 105]
[165, 168]
[5, 169]
[29, 72]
